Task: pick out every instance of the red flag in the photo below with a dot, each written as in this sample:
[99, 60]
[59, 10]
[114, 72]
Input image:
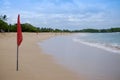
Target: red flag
[19, 32]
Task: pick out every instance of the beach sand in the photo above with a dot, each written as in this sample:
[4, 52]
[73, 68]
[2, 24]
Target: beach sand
[92, 62]
[33, 63]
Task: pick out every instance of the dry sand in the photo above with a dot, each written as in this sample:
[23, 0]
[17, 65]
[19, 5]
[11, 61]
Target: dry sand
[33, 63]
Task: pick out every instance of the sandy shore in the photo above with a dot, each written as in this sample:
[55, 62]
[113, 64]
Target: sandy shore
[33, 63]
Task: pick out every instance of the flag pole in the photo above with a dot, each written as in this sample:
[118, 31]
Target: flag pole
[17, 58]
[19, 40]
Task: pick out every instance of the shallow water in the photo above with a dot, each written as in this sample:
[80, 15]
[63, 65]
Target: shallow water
[107, 41]
[95, 63]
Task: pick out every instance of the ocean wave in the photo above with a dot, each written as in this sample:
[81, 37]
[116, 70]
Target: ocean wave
[108, 47]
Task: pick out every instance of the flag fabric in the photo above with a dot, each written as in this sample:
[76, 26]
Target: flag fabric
[19, 31]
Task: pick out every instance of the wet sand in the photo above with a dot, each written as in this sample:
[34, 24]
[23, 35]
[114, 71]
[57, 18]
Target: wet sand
[92, 62]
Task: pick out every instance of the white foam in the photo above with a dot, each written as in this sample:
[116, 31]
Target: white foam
[98, 45]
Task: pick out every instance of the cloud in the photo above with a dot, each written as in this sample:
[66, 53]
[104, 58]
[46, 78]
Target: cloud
[6, 4]
[62, 13]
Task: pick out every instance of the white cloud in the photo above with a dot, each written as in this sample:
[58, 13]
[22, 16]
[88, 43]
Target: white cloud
[6, 4]
[60, 14]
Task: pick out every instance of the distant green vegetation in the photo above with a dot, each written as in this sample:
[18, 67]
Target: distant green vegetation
[26, 27]
[117, 29]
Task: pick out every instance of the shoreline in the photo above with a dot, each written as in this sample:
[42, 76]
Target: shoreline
[105, 47]
[33, 63]
[101, 43]
[92, 62]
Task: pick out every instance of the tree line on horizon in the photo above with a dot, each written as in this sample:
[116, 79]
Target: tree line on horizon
[27, 27]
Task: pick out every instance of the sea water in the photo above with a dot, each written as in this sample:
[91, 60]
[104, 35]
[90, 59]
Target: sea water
[93, 55]
[107, 41]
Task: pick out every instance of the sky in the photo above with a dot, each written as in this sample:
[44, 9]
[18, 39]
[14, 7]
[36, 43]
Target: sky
[63, 14]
